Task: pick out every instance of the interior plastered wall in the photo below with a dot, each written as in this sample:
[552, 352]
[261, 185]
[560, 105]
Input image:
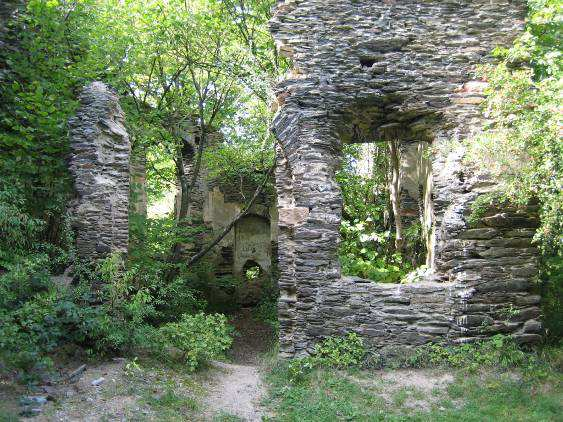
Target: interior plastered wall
[252, 237]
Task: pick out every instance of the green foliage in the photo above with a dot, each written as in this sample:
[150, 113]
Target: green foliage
[334, 352]
[121, 315]
[241, 166]
[199, 337]
[551, 289]
[340, 352]
[267, 309]
[499, 351]
[366, 248]
[18, 230]
[28, 328]
[38, 90]
[522, 146]
[154, 238]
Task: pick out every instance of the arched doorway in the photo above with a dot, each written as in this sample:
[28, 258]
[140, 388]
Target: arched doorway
[252, 244]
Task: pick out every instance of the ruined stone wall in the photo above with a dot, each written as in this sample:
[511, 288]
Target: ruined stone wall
[369, 70]
[99, 164]
[394, 318]
[253, 238]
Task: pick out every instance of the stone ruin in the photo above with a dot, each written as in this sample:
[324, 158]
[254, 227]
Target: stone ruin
[363, 71]
[110, 184]
[250, 245]
[253, 240]
[99, 164]
[388, 70]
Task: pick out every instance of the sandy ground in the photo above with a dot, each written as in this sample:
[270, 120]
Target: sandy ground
[236, 390]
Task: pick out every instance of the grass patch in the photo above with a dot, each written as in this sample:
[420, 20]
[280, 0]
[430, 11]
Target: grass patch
[324, 395]
[328, 394]
[8, 416]
[227, 417]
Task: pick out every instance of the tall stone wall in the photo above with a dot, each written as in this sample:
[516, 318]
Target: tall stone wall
[367, 71]
[99, 164]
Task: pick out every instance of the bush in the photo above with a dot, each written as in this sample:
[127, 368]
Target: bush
[27, 325]
[334, 352]
[267, 309]
[200, 338]
[552, 292]
[340, 352]
[18, 230]
[120, 314]
[498, 351]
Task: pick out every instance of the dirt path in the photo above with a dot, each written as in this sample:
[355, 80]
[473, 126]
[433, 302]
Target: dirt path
[237, 389]
[122, 390]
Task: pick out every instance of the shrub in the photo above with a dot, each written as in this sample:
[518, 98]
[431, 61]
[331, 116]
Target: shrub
[27, 325]
[552, 292]
[200, 338]
[340, 352]
[498, 351]
[267, 309]
[38, 316]
[334, 352]
[18, 230]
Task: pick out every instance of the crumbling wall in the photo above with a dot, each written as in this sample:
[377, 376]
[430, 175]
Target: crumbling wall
[369, 70]
[99, 164]
[253, 238]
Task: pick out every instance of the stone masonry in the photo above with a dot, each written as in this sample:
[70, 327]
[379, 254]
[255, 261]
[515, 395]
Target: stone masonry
[378, 70]
[99, 164]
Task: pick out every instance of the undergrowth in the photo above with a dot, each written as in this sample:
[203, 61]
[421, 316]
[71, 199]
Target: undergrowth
[146, 304]
[492, 380]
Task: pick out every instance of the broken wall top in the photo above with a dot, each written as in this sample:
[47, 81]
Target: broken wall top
[389, 66]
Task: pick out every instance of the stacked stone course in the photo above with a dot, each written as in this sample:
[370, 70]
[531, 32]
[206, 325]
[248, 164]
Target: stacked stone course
[99, 164]
[369, 70]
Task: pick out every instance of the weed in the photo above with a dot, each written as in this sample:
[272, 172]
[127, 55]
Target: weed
[227, 417]
[334, 352]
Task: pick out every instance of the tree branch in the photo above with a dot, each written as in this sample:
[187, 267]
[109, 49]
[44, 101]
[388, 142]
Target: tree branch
[229, 227]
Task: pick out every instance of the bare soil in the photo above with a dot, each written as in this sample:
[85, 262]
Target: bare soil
[237, 389]
[147, 391]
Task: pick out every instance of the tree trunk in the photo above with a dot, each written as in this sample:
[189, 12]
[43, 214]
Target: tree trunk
[395, 192]
[184, 186]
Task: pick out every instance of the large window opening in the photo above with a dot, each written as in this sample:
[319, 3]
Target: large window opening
[386, 227]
